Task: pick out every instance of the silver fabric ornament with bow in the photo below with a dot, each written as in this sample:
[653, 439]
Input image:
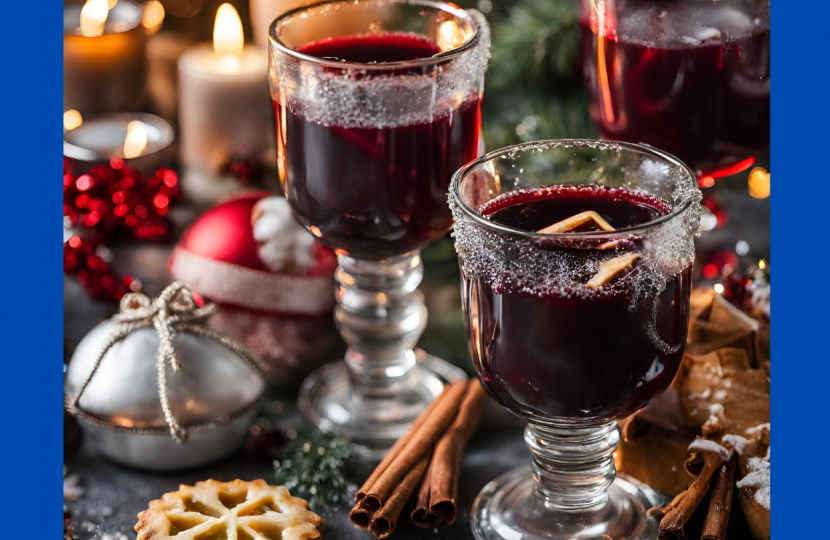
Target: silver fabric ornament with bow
[113, 386]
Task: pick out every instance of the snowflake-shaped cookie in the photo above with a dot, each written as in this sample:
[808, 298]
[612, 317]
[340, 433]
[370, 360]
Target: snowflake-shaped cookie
[235, 510]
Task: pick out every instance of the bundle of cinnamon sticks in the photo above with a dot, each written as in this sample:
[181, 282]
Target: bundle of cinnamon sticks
[713, 467]
[427, 459]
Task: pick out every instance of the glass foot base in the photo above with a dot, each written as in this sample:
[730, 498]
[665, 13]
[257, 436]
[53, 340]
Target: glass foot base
[508, 509]
[374, 424]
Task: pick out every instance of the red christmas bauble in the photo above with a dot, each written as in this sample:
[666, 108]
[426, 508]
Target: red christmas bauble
[284, 317]
[224, 232]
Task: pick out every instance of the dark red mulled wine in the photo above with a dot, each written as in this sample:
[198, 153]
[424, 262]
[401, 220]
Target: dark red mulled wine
[372, 48]
[378, 191]
[560, 350]
[705, 99]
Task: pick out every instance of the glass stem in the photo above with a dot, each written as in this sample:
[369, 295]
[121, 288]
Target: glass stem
[573, 467]
[381, 315]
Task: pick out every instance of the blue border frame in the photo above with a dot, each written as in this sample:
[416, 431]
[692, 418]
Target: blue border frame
[800, 359]
[32, 271]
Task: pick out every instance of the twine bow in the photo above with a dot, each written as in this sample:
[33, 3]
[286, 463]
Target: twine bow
[173, 311]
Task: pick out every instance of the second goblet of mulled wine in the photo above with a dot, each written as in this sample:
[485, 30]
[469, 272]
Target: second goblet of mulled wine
[691, 77]
[576, 262]
[377, 103]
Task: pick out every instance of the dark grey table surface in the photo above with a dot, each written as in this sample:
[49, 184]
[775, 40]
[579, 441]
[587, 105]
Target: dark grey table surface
[114, 495]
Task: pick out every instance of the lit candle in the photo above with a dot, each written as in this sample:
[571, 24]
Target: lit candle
[142, 141]
[224, 107]
[104, 59]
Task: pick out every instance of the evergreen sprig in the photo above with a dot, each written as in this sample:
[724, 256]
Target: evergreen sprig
[534, 89]
[538, 43]
[552, 117]
[311, 467]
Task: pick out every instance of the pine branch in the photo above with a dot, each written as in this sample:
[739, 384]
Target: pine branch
[541, 116]
[538, 43]
[312, 466]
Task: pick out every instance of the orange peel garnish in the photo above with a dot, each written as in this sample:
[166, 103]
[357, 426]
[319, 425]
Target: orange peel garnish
[580, 220]
[611, 269]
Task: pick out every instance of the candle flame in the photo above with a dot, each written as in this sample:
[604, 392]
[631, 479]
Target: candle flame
[94, 17]
[228, 39]
[136, 139]
[153, 16]
[72, 119]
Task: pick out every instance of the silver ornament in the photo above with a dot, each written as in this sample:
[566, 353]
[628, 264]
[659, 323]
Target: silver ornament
[213, 396]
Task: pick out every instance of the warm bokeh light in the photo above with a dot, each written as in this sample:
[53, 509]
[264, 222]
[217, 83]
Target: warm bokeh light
[602, 69]
[94, 17]
[72, 119]
[450, 35]
[706, 181]
[718, 288]
[153, 16]
[111, 3]
[758, 182]
[136, 140]
[762, 264]
[228, 39]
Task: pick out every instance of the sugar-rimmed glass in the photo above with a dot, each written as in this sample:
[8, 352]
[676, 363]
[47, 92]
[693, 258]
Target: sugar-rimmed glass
[365, 155]
[691, 77]
[570, 360]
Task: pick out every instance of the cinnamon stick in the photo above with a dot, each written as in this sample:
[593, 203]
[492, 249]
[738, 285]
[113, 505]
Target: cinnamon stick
[713, 456]
[420, 516]
[720, 503]
[384, 520]
[439, 488]
[360, 515]
[416, 448]
[659, 512]
[398, 446]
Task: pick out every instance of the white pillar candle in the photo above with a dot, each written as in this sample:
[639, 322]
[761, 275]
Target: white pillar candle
[142, 141]
[104, 58]
[224, 104]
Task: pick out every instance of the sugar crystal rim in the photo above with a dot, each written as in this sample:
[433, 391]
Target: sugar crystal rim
[509, 151]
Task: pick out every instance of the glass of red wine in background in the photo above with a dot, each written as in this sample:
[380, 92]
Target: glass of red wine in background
[576, 261]
[691, 77]
[377, 104]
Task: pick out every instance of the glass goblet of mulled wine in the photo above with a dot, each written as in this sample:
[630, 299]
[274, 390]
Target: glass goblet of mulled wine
[573, 329]
[691, 77]
[377, 103]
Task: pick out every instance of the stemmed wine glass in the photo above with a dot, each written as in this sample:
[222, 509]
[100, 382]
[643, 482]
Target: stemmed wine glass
[689, 76]
[576, 329]
[377, 103]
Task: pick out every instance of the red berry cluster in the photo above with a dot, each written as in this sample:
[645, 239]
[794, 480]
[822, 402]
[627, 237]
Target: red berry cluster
[110, 203]
[248, 170]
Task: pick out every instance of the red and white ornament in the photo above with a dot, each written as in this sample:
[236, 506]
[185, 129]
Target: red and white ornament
[273, 282]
